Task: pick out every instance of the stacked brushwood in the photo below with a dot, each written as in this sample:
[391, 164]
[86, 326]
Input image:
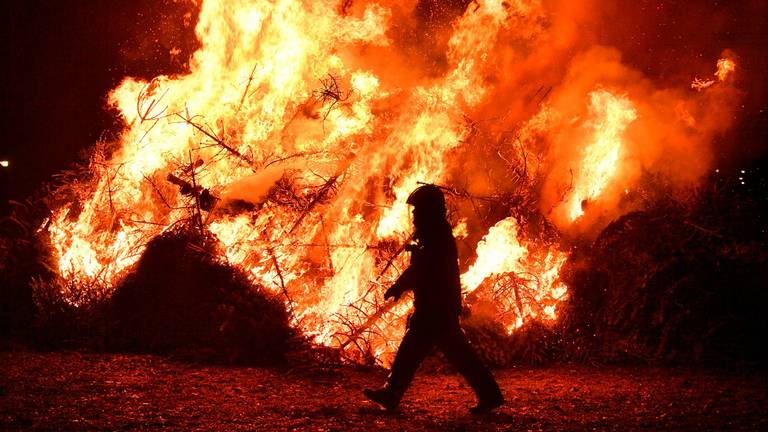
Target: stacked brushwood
[532, 344]
[181, 299]
[24, 256]
[672, 285]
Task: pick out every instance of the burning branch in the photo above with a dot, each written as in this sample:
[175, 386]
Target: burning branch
[382, 309]
[198, 217]
[330, 93]
[282, 281]
[247, 87]
[287, 157]
[146, 112]
[356, 333]
[327, 245]
[189, 119]
[320, 195]
[157, 191]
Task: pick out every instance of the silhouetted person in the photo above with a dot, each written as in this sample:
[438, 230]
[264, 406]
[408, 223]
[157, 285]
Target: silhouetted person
[433, 276]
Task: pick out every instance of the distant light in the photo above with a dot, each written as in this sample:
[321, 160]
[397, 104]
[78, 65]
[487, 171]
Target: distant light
[742, 171]
[4, 163]
[717, 170]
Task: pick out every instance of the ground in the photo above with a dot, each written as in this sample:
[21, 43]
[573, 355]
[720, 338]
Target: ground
[86, 391]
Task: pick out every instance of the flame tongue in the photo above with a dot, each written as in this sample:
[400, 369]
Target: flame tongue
[535, 290]
[611, 115]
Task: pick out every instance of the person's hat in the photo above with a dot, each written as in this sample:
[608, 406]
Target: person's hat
[428, 197]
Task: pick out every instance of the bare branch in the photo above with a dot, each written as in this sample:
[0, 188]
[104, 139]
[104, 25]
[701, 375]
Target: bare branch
[382, 309]
[247, 87]
[157, 191]
[317, 198]
[282, 280]
[330, 93]
[188, 119]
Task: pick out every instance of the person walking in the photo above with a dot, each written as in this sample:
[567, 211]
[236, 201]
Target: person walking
[433, 276]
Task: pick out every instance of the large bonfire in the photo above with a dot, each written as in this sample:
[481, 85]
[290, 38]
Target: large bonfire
[301, 128]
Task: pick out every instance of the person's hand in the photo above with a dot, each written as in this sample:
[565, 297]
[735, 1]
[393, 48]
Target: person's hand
[391, 292]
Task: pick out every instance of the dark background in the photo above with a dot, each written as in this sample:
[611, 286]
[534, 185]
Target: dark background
[62, 57]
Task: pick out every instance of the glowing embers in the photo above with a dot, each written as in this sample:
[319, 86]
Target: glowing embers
[609, 117]
[725, 68]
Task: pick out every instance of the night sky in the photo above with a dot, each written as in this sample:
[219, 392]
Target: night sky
[62, 57]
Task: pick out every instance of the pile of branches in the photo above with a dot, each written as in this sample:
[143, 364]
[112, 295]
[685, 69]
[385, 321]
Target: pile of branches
[38, 306]
[32, 308]
[178, 299]
[25, 257]
[181, 299]
[672, 284]
[533, 344]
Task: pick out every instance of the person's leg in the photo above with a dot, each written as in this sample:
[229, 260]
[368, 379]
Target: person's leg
[456, 348]
[415, 346]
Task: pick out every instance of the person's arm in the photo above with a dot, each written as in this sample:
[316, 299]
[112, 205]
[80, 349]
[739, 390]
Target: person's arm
[405, 282]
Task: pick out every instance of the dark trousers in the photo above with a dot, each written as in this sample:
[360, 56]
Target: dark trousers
[449, 338]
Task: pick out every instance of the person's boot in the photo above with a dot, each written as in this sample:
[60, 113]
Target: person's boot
[487, 404]
[384, 397]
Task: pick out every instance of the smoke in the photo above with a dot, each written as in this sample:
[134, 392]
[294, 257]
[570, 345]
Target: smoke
[672, 134]
[253, 188]
[544, 68]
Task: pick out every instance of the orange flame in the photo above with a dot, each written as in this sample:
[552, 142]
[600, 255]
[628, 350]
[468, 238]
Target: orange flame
[501, 252]
[610, 117]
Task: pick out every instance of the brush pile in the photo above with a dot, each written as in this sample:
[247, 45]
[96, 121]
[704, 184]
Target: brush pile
[180, 298]
[672, 285]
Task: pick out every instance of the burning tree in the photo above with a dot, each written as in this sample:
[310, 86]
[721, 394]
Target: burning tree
[292, 145]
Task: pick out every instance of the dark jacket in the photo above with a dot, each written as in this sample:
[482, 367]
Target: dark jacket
[433, 276]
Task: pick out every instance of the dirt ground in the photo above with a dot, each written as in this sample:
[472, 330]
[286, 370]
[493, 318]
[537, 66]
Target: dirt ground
[84, 391]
